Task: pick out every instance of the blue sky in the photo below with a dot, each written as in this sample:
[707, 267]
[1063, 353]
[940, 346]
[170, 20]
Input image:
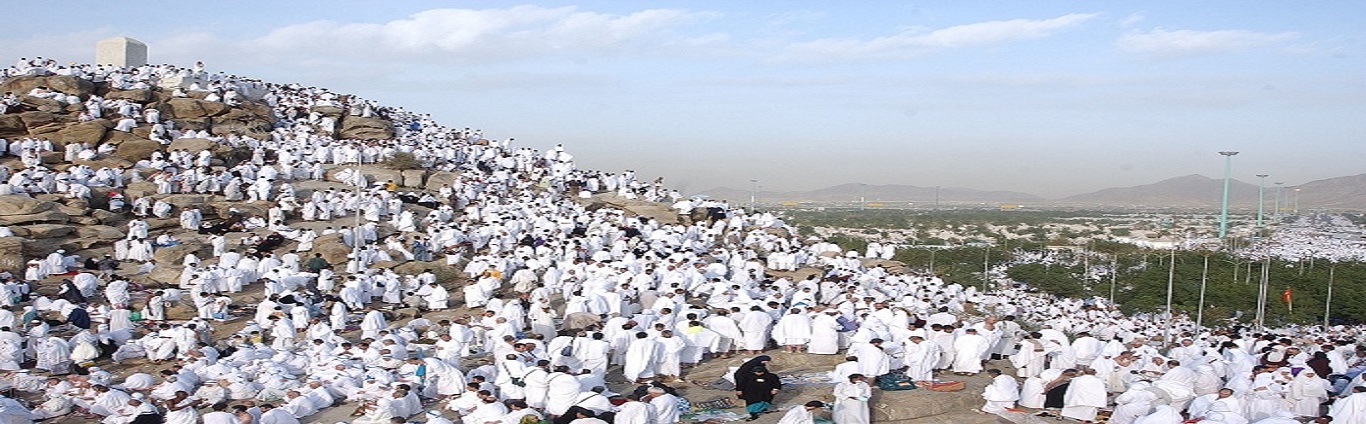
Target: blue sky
[1053, 98]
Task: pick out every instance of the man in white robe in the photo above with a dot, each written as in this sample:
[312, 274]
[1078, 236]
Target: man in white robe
[1086, 348]
[873, 361]
[825, 334]
[1001, 394]
[920, 358]
[1029, 359]
[793, 331]
[755, 326]
[1134, 403]
[1086, 394]
[969, 349]
[1350, 409]
[642, 358]
[436, 297]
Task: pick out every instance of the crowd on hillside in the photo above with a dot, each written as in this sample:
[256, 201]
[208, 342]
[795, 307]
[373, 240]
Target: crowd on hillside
[566, 298]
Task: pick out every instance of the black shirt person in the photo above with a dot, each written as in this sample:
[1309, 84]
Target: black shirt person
[758, 390]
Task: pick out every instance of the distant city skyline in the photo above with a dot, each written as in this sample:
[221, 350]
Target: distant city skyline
[1049, 98]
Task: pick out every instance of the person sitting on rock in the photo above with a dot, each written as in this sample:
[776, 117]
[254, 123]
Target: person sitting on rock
[166, 240]
[271, 242]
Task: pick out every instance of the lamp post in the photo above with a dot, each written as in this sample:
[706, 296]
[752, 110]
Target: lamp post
[1328, 303]
[986, 267]
[932, 260]
[1261, 197]
[1223, 211]
[1114, 271]
[753, 192]
[1280, 187]
[1171, 282]
[758, 190]
[1200, 312]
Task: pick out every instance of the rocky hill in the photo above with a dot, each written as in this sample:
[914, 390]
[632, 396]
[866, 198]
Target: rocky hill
[46, 222]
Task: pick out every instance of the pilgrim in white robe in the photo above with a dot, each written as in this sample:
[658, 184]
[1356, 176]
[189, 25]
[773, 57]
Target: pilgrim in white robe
[1001, 394]
[642, 358]
[968, 349]
[851, 402]
[1086, 394]
[825, 335]
[754, 325]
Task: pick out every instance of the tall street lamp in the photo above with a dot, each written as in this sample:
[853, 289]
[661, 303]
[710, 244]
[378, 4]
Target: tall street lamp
[1223, 212]
[1280, 187]
[1261, 197]
[753, 192]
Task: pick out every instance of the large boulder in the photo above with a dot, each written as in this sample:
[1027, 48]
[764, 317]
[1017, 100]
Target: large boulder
[174, 254]
[332, 111]
[109, 162]
[413, 177]
[138, 190]
[46, 131]
[52, 158]
[162, 223]
[241, 121]
[439, 178]
[180, 108]
[139, 96]
[332, 248]
[12, 126]
[102, 232]
[19, 210]
[131, 147]
[63, 83]
[41, 104]
[106, 217]
[189, 201]
[166, 273]
[89, 132]
[195, 124]
[35, 119]
[46, 231]
[356, 127]
[12, 254]
[196, 145]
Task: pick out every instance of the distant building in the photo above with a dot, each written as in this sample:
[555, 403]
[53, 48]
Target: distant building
[120, 51]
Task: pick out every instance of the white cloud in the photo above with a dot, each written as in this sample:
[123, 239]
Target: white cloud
[468, 34]
[1131, 20]
[1168, 43]
[922, 40]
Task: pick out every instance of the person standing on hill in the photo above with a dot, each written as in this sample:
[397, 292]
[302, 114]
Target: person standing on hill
[758, 391]
[851, 400]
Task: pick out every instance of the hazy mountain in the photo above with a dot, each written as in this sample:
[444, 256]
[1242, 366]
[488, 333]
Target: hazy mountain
[895, 193]
[1190, 191]
[1334, 193]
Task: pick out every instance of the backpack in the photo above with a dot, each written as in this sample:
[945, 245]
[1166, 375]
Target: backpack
[894, 382]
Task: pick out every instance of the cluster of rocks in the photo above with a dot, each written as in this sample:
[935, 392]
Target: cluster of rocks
[44, 223]
[49, 119]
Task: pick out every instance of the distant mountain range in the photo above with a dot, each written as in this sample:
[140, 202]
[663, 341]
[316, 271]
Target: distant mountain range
[1187, 192]
[854, 193]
